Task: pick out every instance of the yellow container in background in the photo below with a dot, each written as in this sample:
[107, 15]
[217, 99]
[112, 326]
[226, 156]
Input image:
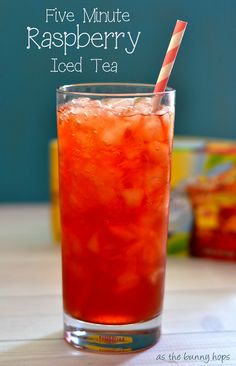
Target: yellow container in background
[187, 159]
[54, 191]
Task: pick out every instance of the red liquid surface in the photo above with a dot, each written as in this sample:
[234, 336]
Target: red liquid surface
[114, 169]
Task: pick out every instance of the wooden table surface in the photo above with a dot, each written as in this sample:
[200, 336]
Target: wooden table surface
[199, 313]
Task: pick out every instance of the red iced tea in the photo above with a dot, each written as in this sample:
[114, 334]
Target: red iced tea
[114, 167]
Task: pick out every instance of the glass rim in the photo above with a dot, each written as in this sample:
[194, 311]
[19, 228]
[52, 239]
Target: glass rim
[63, 90]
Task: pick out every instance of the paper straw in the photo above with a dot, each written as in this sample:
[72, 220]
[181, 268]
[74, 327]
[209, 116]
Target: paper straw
[170, 56]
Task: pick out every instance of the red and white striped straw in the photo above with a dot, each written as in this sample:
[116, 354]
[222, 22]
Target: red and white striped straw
[170, 56]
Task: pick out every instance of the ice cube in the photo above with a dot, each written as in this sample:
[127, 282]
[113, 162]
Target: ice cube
[118, 105]
[133, 122]
[126, 233]
[81, 102]
[162, 110]
[152, 129]
[106, 194]
[117, 102]
[156, 275]
[133, 197]
[127, 280]
[129, 106]
[93, 244]
[155, 179]
[85, 110]
[158, 152]
[112, 135]
[142, 105]
[76, 106]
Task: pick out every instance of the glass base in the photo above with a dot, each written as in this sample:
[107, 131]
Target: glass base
[111, 338]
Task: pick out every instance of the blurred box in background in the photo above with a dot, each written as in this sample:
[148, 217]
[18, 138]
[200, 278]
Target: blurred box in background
[187, 162]
[213, 198]
[203, 198]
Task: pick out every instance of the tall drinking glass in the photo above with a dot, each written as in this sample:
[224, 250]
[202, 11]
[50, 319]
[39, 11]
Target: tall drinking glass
[115, 144]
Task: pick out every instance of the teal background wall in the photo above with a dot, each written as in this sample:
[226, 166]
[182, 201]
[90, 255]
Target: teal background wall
[204, 76]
